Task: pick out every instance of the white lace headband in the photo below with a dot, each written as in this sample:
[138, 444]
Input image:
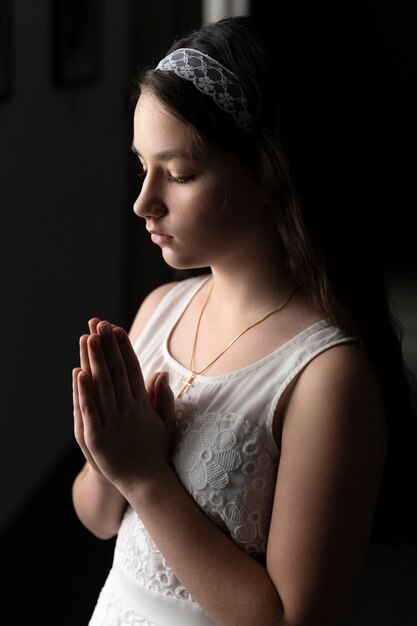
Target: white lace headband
[211, 78]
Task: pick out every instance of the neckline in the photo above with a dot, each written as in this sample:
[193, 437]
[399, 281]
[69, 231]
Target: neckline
[243, 371]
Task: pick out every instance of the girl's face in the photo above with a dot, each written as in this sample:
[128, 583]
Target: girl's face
[201, 206]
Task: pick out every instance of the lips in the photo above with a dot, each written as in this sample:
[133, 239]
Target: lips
[160, 239]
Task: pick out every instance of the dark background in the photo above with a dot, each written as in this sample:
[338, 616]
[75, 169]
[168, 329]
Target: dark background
[71, 247]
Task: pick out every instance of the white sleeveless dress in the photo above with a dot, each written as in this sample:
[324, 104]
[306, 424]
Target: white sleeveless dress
[225, 456]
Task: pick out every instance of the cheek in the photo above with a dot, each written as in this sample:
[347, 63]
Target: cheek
[207, 210]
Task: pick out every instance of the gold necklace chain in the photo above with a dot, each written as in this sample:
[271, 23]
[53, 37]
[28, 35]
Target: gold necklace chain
[188, 382]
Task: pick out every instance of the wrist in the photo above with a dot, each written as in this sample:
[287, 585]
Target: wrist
[95, 476]
[149, 489]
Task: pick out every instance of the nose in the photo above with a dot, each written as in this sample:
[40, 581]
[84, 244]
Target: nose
[149, 203]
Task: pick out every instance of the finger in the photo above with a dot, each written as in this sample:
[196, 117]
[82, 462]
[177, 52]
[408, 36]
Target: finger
[164, 398]
[134, 372]
[78, 422]
[150, 388]
[78, 419]
[164, 403]
[101, 379]
[94, 322]
[115, 363]
[84, 360]
[90, 411]
[92, 325]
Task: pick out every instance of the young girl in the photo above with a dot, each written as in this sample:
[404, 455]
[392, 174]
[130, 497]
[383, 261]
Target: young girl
[250, 433]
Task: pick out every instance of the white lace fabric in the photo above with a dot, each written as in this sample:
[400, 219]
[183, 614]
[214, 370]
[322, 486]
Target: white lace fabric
[228, 466]
[111, 611]
[211, 78]
[225, 454]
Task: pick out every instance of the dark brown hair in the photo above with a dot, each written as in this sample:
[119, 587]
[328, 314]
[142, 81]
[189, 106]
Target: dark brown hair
[327, 247]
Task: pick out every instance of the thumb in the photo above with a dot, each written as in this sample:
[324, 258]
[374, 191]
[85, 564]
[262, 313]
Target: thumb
[163, 401]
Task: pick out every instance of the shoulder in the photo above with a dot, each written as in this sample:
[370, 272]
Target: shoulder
[337, 400]
[147, 308]
[339, 369]
[340, 379]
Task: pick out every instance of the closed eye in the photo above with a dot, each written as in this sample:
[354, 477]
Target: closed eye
[181, 180]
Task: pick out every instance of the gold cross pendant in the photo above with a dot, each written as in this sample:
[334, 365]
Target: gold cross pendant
[187, 383]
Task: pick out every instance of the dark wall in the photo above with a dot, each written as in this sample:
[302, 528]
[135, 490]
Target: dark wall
[64, 131]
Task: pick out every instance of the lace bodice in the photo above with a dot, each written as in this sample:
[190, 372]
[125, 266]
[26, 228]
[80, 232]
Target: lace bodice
[228, 466]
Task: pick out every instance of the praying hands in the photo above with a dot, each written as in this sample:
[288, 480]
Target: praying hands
[124, 429]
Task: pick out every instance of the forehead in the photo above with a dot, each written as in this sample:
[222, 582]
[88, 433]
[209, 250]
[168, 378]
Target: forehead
[156, 127]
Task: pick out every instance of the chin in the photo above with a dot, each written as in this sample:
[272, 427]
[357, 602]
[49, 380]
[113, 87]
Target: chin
[182, 264]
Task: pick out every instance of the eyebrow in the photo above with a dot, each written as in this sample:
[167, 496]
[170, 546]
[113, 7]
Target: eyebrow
[167, 155]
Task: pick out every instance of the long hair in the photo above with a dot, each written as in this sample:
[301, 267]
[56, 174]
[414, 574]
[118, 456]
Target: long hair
[321, 227]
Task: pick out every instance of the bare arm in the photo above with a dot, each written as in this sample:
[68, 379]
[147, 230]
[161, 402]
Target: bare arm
[97, 503]
[333, 443]
[332, 456]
